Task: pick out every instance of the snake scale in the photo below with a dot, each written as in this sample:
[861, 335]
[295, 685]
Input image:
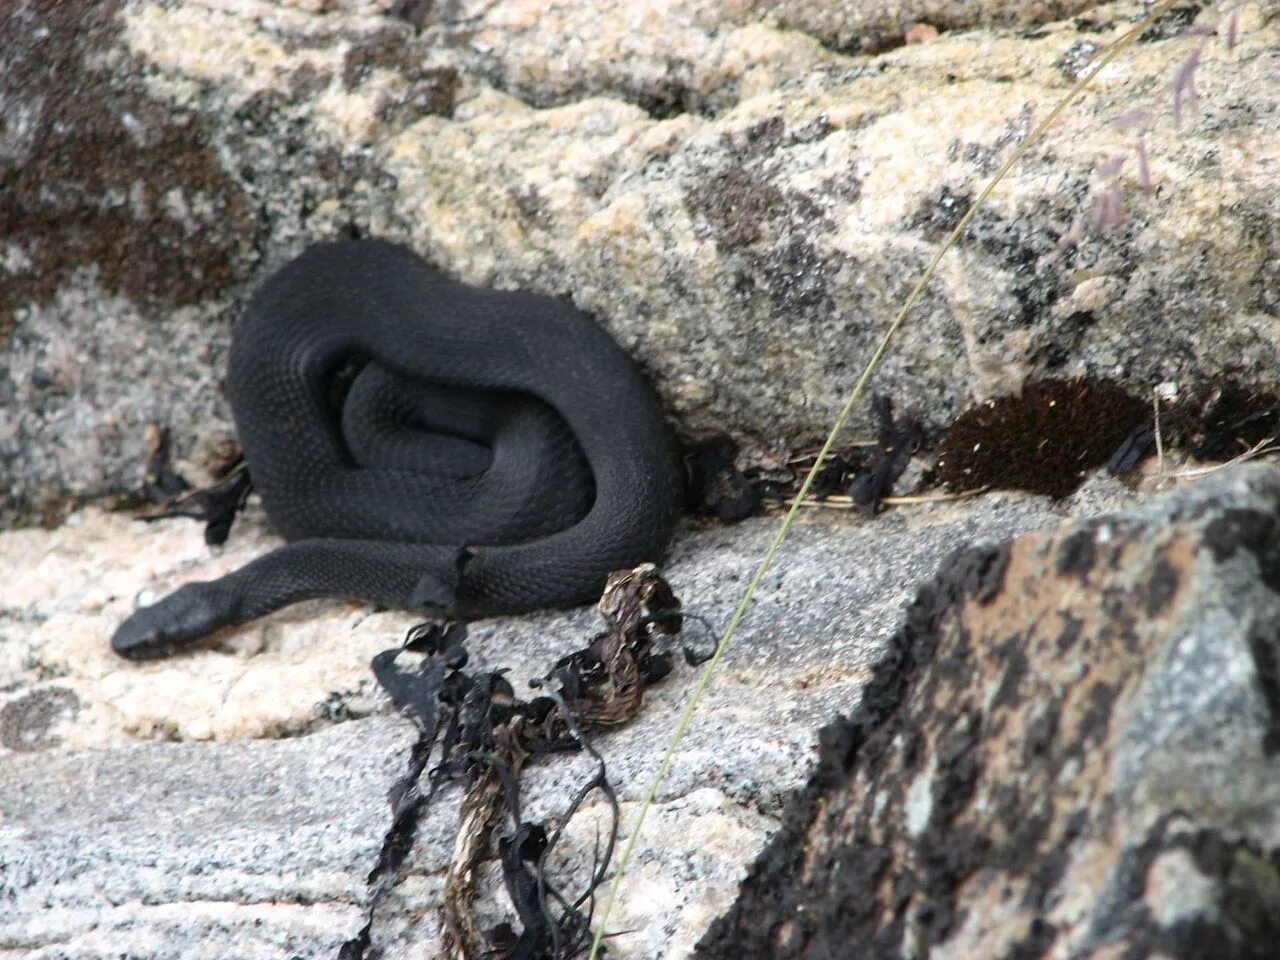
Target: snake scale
[424, 444]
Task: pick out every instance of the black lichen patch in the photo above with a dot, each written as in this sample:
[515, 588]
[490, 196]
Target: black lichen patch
[1093, 24]
[1078, 56]
[1068, 334]
[741, 203]
[1043, 441]
[768, 231]
[94, 173]
[661, 97]
[794, 275]
[27, 722]
[1025, 255]
[937, 216]
[1254, 532]
[1162, 586]
[1174, 22]
[416, 13]
[1264, 648]
[736, 203]
[1077, 555]
[430, 91]
[386, 49]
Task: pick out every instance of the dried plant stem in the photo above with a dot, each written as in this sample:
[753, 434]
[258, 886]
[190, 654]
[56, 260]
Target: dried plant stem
[1259, 449]
[844, 502]
[1110, 53]
[912, 501]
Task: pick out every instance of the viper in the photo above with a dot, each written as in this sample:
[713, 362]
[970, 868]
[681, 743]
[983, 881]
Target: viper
[425, 444]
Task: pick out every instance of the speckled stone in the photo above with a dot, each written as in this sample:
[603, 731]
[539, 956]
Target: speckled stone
[69, 707]
[1070, 750]
[168, 850]
[742, 193]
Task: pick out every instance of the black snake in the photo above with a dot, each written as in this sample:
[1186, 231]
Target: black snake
[426, 444]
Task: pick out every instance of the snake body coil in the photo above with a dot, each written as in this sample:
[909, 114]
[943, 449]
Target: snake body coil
[422, 443]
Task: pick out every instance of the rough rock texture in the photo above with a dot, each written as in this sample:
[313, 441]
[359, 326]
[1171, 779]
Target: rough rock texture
[741, 192]
[851, 25]
[807, 651]
[252, 849]
[735, 189]
[1070, 750]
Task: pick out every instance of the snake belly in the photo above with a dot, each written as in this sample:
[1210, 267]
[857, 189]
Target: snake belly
[424, 444]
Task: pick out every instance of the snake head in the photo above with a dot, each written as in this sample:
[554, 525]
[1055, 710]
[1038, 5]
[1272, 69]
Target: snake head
[437, 590]
[186, 615]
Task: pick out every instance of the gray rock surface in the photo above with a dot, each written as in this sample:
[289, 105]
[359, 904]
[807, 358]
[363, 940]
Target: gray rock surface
[741, 192]
[1070, 750]
[70, 709]
[168, 850]
[736, 193]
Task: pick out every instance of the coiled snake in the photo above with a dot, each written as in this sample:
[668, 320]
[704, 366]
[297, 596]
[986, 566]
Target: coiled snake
[426, 444]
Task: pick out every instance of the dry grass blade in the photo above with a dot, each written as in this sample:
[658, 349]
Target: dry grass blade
[1259, 449]
[841, 502]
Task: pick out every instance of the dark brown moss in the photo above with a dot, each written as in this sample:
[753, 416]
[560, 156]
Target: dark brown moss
[1042, 441]
[431, 91]
[427, 91]
[93, 169]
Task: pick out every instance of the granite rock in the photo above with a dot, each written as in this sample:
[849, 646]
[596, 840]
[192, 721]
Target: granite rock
[741, 193]
[295, 689]
[735, 190]
[166, 850]
[1070, 750]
